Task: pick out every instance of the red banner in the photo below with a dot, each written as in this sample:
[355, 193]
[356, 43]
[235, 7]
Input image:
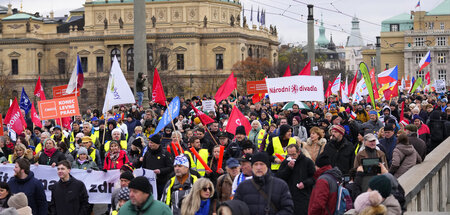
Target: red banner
[256, 87]
[60, 92]
[35, 117]
[58, 108]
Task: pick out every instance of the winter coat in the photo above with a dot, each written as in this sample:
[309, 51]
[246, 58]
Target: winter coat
[177, 192]
[367, 154]
[392, 205]
[387, 145]
[372, 127]
[424, 131]
[253, 135]
[419, 145]
[436, 129]
[34, 191]
[27, 155]
[88, 164]
[303, 171]
[158, 159]
[224, 188]
[121, 160]
[362, 116]
[131, 125]
[403, 158]
[341, 154]
[151, 206]
[69, 197]
[55, 158]
[300, 132]
[322, 197]
[281, 197]
[314, 149]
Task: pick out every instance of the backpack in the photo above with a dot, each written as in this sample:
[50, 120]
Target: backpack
[344, 200]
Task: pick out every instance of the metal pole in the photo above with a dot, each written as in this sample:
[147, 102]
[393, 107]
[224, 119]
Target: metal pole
[378, 56]
[311, 45]
[140, 45]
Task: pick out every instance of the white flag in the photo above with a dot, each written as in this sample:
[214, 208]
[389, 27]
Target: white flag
[118, 91]
[73, 80]
[336, 85]
[344, 92]
[361, 90]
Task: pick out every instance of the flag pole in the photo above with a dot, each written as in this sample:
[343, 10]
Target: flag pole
[173, 125]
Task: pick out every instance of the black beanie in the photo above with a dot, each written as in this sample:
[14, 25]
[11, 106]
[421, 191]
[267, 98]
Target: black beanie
[283, 130]
[261, 156]
[137, 142]
[141, 183]
[240, 130]
[382, 184]
[156, 139]
[127, 175]
[322, 160]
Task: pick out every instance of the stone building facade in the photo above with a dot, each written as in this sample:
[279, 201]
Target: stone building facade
[193, 44]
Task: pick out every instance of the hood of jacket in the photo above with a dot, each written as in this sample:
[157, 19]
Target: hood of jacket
[321, 171]
[406, 149]
[25, 180]
[388, 108]
[435, 115]
[335, 172]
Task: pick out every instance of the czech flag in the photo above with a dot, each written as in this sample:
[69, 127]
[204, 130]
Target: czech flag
[425, 61]
[353, 115]
[388, 76]
[418, 4]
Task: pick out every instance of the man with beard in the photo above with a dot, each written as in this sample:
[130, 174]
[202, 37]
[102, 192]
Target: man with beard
[361, 114]
[339, 150]
[178, 186]
[159, 161]
[24, 181]
[58, 136]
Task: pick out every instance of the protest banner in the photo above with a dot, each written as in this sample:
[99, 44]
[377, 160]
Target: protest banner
[256, 87]
[295, 88]
[208, 105]
[58, 108]
[60, 92]
[1, 126]
[99, 184]
[440, 86]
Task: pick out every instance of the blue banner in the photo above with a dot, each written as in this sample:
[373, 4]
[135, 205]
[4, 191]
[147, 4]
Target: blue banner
[25, 102]
[174, 108]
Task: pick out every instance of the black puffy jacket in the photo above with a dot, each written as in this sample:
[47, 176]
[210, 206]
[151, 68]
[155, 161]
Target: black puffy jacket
[281, 196]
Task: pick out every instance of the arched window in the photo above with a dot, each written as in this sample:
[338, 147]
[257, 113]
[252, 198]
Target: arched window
[250, 53]
[115, 52]
[130, 59]
[149, 57]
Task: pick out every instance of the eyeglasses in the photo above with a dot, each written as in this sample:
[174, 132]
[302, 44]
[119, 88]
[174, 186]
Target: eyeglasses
[207, 188]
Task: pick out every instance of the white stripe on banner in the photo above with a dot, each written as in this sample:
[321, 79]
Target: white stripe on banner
[99, 184]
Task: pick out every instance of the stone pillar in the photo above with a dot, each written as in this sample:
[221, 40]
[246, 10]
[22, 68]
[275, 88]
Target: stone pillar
[311, 45]
[140, 45]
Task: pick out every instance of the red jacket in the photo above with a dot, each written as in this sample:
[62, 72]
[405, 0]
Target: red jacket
[321, 197]
[123, 159]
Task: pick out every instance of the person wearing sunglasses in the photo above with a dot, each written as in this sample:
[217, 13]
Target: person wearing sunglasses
[199, 201]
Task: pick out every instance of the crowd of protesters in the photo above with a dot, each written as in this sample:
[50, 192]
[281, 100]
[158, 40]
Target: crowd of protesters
[292, 161]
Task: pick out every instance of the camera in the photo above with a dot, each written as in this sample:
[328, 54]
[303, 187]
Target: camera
[370, 166]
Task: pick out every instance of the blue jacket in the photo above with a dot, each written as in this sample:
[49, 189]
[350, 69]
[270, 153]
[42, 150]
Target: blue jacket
[34, 191]
[387, 145]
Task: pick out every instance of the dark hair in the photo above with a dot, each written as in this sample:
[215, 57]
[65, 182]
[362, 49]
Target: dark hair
[63, 146]
[4, 185]
[65, 163]
[24, 164]
[297, 148]
[200, 129]
[193, 139]
[115, 142]
[403, 139]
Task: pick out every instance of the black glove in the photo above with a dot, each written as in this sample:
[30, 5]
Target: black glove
[104, 170]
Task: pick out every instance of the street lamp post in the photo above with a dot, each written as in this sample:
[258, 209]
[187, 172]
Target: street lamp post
[140, 45]
[311, 46]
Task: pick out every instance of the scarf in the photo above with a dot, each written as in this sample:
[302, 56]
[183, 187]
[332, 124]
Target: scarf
[81, 162]
[50, 152]
[204, 207]
[114, 155]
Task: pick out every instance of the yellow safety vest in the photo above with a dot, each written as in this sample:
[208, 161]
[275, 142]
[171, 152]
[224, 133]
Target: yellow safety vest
[204, 155]
[92, 155]
[277, 148]
[357, 148]
[62, 136]
[123, 144]
[261, 134]
[193, 166]
[38, 148]
[169, 189]
[96, 135]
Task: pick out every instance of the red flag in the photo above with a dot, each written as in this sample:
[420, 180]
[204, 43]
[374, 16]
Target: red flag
[237, 119]
[387, 93]
[328, 92]
[158, 90]
[14, 118]
[395, 90]
[1, 125]
[352, 86]
[257, 97]
[39, 90]
[287, 73]
[428, 78]
[65, 122]
[306, 70]
[205, 119]
[227, 87]
[402, 112]
[35, 117]
[374, 85]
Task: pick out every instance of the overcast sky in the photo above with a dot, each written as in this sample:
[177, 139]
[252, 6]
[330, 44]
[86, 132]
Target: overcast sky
[287, 14]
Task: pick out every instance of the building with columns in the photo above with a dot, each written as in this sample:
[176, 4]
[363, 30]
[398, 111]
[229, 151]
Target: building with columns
[193, 44]
[406, 38]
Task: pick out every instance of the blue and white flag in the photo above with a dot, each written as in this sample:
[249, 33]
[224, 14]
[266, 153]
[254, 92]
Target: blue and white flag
[118, 91]
[25, 102]
[171, 113]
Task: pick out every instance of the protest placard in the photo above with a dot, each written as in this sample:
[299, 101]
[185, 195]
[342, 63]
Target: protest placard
[295, 88]
[60, 92]
[255, 87]
[58, 108]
